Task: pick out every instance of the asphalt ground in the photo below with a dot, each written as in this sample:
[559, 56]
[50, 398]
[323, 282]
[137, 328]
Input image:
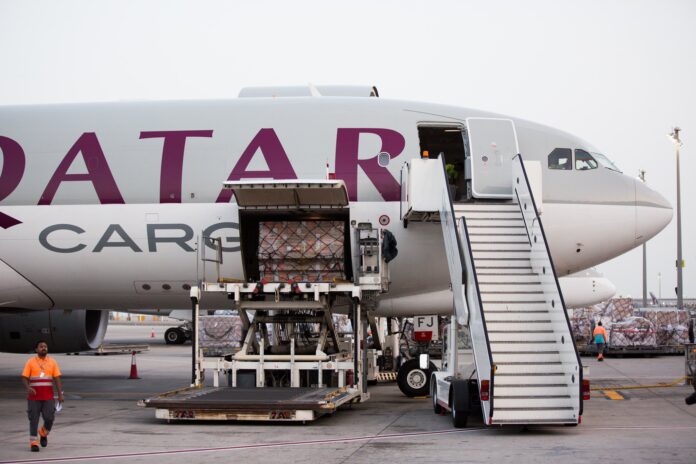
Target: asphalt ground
[101, 421]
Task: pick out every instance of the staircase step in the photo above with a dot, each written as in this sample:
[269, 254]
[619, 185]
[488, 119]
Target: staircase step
[496, 338]
[513, 298]
[508, 403]
[509, 380]
[473, 215]
[487, 278]
[503, 254]
[516, 307]
[513, 318]
[499, 245]
[510, 288]
[507, 356]
[504, 264]
[476, 235]
[495, 326]
[541, 416]
[517, 223]
[531, 390]
[528, 368]
[494, 207]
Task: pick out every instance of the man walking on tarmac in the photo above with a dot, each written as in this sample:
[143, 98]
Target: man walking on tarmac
[600, 339]
[38, 376]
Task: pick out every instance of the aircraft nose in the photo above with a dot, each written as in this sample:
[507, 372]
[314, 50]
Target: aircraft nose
[653, 212]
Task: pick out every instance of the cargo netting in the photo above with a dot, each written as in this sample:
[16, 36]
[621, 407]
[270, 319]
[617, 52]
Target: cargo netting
[301, 251]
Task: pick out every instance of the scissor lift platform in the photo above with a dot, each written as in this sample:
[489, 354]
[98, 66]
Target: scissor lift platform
[290, 351]
[250, 404]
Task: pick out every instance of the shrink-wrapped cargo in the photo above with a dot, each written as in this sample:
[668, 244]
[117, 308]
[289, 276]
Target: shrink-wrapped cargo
[632, 332]
[219, 335]
[618, 309]
[671, 325]
[306, 251]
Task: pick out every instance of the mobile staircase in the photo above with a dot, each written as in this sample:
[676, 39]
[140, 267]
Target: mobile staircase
[519, 360]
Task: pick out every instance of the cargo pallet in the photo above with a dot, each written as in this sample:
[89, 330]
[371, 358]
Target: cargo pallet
[590, 350]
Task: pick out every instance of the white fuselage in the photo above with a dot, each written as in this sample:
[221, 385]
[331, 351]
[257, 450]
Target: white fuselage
[106, 202]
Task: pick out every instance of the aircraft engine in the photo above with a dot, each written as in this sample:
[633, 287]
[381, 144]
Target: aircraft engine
[66, 331]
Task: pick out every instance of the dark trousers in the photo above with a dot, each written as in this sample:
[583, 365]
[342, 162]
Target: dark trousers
[600, 350]
[45, 408]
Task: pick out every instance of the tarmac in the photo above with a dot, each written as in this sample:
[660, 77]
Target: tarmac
[101, 421]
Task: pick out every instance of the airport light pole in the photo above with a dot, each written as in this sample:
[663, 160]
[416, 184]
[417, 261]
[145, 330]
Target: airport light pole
[674, 136]
[659, 285]
[641, 175]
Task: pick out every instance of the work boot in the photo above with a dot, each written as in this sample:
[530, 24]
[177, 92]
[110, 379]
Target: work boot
[44, 436]
[34, 445]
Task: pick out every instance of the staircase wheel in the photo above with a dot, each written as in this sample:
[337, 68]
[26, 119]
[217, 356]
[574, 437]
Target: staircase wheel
[437, 409]
[461, 403]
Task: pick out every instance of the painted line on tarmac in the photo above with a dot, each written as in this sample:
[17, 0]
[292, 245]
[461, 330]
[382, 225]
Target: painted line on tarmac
[636, 427]
[97, 457]
[613, 395]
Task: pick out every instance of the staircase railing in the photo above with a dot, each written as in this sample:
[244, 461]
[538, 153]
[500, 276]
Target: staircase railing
[477, 319]
[463, 272]
[540, 258]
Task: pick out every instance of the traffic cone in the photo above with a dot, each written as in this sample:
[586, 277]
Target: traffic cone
[134, 368]
[152, 334]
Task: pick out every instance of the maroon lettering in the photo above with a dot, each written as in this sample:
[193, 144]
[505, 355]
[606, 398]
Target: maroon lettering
[98, 172]
[173, 160]
[13, 163]
[279, 166]
[347, 162]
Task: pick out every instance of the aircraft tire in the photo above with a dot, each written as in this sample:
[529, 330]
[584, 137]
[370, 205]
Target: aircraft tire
[412, 380]
[174, 336]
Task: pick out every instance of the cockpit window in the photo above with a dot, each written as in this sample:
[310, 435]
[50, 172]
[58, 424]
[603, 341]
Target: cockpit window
[584, 161]
[606, 162]
[561, 158]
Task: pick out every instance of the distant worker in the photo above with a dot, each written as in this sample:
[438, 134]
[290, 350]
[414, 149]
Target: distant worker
[39, 375]
[600, 339]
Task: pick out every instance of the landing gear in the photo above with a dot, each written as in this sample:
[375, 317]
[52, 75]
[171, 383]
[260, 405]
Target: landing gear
[414, 381]
[177, 335]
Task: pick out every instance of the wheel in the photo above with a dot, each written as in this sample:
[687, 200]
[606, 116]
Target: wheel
[412, 380]
[174, 336]
[437, 409]
[460, 403]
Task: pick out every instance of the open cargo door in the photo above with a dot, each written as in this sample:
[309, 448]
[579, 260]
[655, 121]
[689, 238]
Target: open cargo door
[288, 195]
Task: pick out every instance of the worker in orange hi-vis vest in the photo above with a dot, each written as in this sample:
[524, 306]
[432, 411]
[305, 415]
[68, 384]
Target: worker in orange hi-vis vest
[600, 339]
[38, 376]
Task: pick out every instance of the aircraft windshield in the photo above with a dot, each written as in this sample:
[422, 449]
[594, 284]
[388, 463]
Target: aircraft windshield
[606, 162]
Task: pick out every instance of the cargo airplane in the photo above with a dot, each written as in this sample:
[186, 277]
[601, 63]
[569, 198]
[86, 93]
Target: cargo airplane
[102, 205]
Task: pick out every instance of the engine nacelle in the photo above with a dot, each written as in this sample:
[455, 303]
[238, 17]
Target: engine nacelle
[66, 331]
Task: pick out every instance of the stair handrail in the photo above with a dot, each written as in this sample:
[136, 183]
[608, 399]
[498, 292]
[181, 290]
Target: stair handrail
[477, 305]
[521, 181]
[473, 298]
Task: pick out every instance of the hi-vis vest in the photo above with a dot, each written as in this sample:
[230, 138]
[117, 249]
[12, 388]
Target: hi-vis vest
[41, 373]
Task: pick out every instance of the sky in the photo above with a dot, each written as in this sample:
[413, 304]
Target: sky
[617, 73]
